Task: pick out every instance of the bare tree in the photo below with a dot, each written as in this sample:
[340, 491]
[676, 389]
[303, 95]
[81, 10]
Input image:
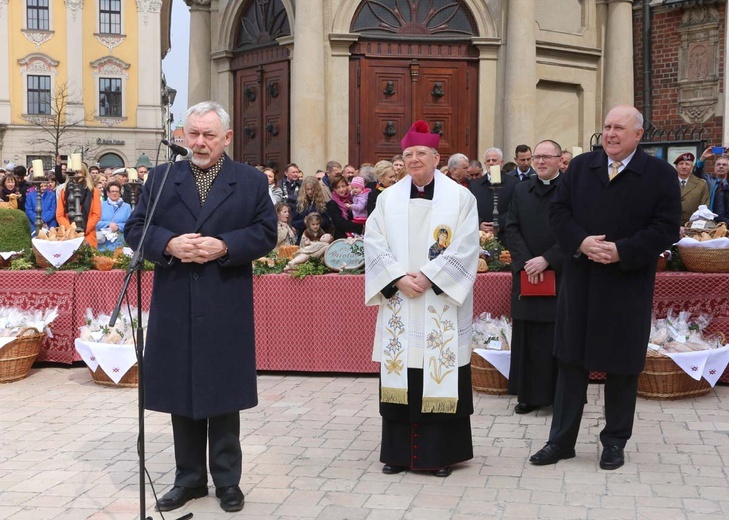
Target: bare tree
[60, 128]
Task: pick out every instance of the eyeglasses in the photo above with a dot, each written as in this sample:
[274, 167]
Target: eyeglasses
[420, 154]
[545, 157]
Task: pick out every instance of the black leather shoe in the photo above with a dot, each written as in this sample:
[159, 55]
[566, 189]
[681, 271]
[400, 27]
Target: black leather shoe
[551, 454]
[231, 498]
[443, 472]
[612, 457]
[388, 469]
[524, 408]
[178, 496]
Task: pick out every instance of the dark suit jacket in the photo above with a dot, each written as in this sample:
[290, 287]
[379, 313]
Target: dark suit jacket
[515, 173]
[604, 311]
[481, 189]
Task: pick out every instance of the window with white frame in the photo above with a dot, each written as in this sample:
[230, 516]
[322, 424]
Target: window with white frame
[110, 97]
[37, 15]
[39, 95]
[110, 17]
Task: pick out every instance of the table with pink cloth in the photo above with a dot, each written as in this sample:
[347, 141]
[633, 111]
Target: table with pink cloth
[315, 324]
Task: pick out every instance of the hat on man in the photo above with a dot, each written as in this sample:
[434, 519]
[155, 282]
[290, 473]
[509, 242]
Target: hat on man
[419, 135]
[120, 171]
[688, 156]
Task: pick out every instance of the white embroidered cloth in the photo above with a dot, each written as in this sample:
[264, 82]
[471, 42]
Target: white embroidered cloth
[114, 360]
[709, 364]
[57, 252]
[500, 359]
[716, 243]
[7, 254]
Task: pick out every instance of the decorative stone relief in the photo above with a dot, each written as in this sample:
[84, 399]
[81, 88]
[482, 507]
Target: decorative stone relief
[37, 37]
[110, 66]
[110, 41]
[75, 6]
[2, 3]
[198, 3]
[698, 64]
[38, 64]
[110, 121]
[148, 6]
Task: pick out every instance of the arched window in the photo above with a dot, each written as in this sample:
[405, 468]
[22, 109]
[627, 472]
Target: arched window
[110, 160]
[414, 19]
[260, 24]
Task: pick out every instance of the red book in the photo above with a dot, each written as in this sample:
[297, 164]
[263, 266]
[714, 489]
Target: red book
[547, 287]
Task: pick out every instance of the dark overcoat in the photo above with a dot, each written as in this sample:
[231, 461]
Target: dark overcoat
[604, 311]
[484, 193]
[200, 353]
[529, 235]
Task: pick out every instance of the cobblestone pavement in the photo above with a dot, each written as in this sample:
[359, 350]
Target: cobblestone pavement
[311, 450]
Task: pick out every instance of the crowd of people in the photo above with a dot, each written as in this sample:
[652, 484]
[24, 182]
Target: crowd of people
[105, 198]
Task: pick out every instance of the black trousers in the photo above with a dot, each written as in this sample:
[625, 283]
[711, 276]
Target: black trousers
[621, 392]
[191, 439]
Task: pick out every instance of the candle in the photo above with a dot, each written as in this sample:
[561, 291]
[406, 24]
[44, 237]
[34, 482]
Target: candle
[576, 150]
[74, 163]
[132, 175]
[38, 170]
[495, 173]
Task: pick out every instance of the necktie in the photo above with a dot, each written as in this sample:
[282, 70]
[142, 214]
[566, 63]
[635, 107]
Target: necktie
[614, 167]
[683, 184]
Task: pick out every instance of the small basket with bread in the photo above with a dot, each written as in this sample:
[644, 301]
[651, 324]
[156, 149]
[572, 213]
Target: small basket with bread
[55, 246]
[705, 246]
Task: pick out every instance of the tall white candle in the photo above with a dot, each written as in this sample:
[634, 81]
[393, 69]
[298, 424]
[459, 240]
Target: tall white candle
[132, 175]
[74, 163]
[38, 170]
[495, 173]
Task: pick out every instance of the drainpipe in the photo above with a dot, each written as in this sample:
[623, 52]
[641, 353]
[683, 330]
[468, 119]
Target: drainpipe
[647, 101]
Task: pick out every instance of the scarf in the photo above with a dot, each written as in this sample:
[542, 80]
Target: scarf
[7, 192]
[440, 322]
[342, 203]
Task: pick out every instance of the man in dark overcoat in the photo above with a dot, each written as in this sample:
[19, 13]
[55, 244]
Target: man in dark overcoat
[483, 190]
[534, 250]
[213, 218]
[614, 212]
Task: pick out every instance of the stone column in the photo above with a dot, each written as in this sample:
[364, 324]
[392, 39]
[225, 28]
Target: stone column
[200, 48]
[74, 53]
[149, 104]
[338, 97]
[308, 107]
[520, 89]
[488, 87]
[618, 68]
[5, 113]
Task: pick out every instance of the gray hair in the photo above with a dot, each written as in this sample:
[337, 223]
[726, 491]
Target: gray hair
[497, 151]
[203, 108]
[368, 173]
[455, 159]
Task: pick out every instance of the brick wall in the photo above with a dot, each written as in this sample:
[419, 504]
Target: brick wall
[665, 44]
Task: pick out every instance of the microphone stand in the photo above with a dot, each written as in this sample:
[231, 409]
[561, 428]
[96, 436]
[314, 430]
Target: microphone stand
[136, 266]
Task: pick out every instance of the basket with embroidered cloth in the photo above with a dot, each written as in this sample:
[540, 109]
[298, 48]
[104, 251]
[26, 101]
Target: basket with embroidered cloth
[491, 354]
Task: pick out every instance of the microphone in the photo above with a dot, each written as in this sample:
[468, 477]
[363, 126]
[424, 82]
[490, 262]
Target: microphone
[176, 148]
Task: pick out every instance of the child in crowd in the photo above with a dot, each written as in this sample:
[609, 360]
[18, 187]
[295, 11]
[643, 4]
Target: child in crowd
[286, 234]
[314, 242]
[360, 195]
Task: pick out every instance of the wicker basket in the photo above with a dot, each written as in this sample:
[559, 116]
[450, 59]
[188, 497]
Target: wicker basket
[485, 378]
[129, 380]
[6, 263]
[663, 379]
[45, 264]
[704, 260]
[18, 356]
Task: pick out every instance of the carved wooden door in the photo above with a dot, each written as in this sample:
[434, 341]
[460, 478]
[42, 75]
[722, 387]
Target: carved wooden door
[261, 133]
[389, 94]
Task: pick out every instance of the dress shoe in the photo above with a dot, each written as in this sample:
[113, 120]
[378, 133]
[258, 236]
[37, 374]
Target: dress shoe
[389, 469]
[443, 472]
[178, 496]
[524, 408]
[612, 457]
[231, 498]
[551, 454]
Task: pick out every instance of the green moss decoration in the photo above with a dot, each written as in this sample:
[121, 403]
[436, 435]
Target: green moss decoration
[14, 230]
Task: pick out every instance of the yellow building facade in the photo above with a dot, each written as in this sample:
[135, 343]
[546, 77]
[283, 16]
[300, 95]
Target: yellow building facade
[82, 76]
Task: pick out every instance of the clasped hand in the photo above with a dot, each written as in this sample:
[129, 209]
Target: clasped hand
[192, 247]
[413, 285]
[600, 250]
[534, 269]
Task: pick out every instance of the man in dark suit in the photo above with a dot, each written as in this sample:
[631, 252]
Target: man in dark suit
[484, 191]
[213, 218]
[523, 160]
[614, 212]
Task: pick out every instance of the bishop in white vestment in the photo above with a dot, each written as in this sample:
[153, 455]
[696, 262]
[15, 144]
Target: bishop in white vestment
[421, 251]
